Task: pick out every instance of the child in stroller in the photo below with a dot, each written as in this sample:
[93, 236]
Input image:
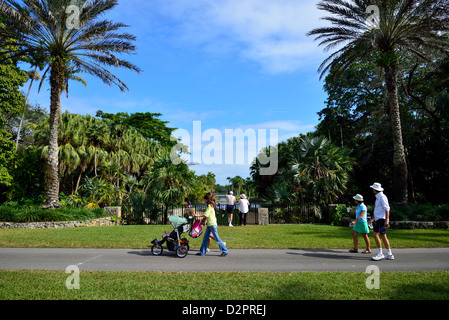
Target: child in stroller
[174, 242]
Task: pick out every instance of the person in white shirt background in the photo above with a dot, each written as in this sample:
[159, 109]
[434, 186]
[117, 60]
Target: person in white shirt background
[243, 209]
[382, 222]
[230, 199]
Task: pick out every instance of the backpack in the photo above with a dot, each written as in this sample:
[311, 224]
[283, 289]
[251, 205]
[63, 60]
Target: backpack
[197, 230]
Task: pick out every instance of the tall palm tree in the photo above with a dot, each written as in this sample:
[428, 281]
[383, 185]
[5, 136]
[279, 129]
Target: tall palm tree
[67, 32]
[411, 26]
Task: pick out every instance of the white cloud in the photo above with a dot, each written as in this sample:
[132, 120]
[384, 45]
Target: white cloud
[271, 33]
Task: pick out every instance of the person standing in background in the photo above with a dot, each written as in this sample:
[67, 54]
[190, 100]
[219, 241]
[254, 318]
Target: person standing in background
[243, 209]
[230, 199]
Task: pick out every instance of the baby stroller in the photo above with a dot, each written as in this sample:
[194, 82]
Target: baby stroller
[174, 242]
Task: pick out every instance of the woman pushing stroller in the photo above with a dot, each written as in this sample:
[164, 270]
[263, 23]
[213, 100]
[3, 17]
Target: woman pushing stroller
[210, 220]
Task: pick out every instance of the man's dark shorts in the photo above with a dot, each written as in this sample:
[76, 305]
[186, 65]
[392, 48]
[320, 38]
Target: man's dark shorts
[379, 226]
[230, 208]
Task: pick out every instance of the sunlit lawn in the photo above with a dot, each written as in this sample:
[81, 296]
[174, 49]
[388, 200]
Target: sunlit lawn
[256, 237]
[50, 285]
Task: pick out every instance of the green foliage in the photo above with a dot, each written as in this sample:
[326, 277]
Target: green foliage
[420, 212]
[11, 102]
[338, 213]
[147, 124]
[12, 212]
[312, 173]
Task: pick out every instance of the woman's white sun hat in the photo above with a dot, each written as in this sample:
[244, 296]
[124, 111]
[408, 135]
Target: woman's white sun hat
[358, 197]
[377, 186]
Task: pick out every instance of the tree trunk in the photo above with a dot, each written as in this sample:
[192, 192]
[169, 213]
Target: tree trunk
[95, 161]
[52, 162]
[78, 181]
[23, 113]
[399, 158]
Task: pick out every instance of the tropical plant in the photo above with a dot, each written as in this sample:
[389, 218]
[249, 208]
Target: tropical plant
[168, 183]
[97, 190]
[321, 170]
[67, 32]
[236, 183]
[402, 26]
[11, 102]
[97, 135]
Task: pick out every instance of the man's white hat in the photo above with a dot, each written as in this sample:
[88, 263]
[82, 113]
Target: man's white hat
[378, 187]
[230, 192]
[358, 197]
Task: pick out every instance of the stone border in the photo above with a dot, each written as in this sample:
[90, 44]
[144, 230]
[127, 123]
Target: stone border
[420, 224]
[58, 225]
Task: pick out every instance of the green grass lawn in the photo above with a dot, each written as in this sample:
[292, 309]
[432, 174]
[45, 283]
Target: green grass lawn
[256, 237]
[50, 285]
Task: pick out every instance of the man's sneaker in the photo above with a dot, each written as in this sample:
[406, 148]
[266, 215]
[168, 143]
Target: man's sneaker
[389, 257]
[378, 257]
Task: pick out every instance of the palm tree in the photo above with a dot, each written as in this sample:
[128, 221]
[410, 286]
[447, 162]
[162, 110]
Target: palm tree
[97, 134]
[50, 28]
[321, 170]
[70, 73]
[168, 183]
[237, 183]
[403, 26]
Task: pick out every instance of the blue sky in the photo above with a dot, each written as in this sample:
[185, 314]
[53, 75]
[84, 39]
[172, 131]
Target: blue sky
[227, 63]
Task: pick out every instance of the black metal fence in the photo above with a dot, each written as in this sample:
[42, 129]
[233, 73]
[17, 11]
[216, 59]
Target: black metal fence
[278, 214]
[293, 213]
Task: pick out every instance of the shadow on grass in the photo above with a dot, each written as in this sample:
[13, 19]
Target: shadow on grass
[420, 291]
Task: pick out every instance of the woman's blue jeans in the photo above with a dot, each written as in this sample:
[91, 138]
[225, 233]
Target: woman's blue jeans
[214, 232]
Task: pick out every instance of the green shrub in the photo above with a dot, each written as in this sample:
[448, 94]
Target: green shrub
[339, 212]
[420, 212]
[37, 214]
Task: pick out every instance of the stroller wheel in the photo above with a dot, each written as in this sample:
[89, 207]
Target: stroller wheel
[157, 250]
[181, 252]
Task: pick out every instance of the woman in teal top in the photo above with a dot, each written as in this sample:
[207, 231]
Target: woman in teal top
[360, 225]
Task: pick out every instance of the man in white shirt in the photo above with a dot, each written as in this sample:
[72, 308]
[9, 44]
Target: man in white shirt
[230, 204]
[382, 222]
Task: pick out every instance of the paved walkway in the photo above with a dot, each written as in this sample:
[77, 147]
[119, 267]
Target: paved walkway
[276, 260]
